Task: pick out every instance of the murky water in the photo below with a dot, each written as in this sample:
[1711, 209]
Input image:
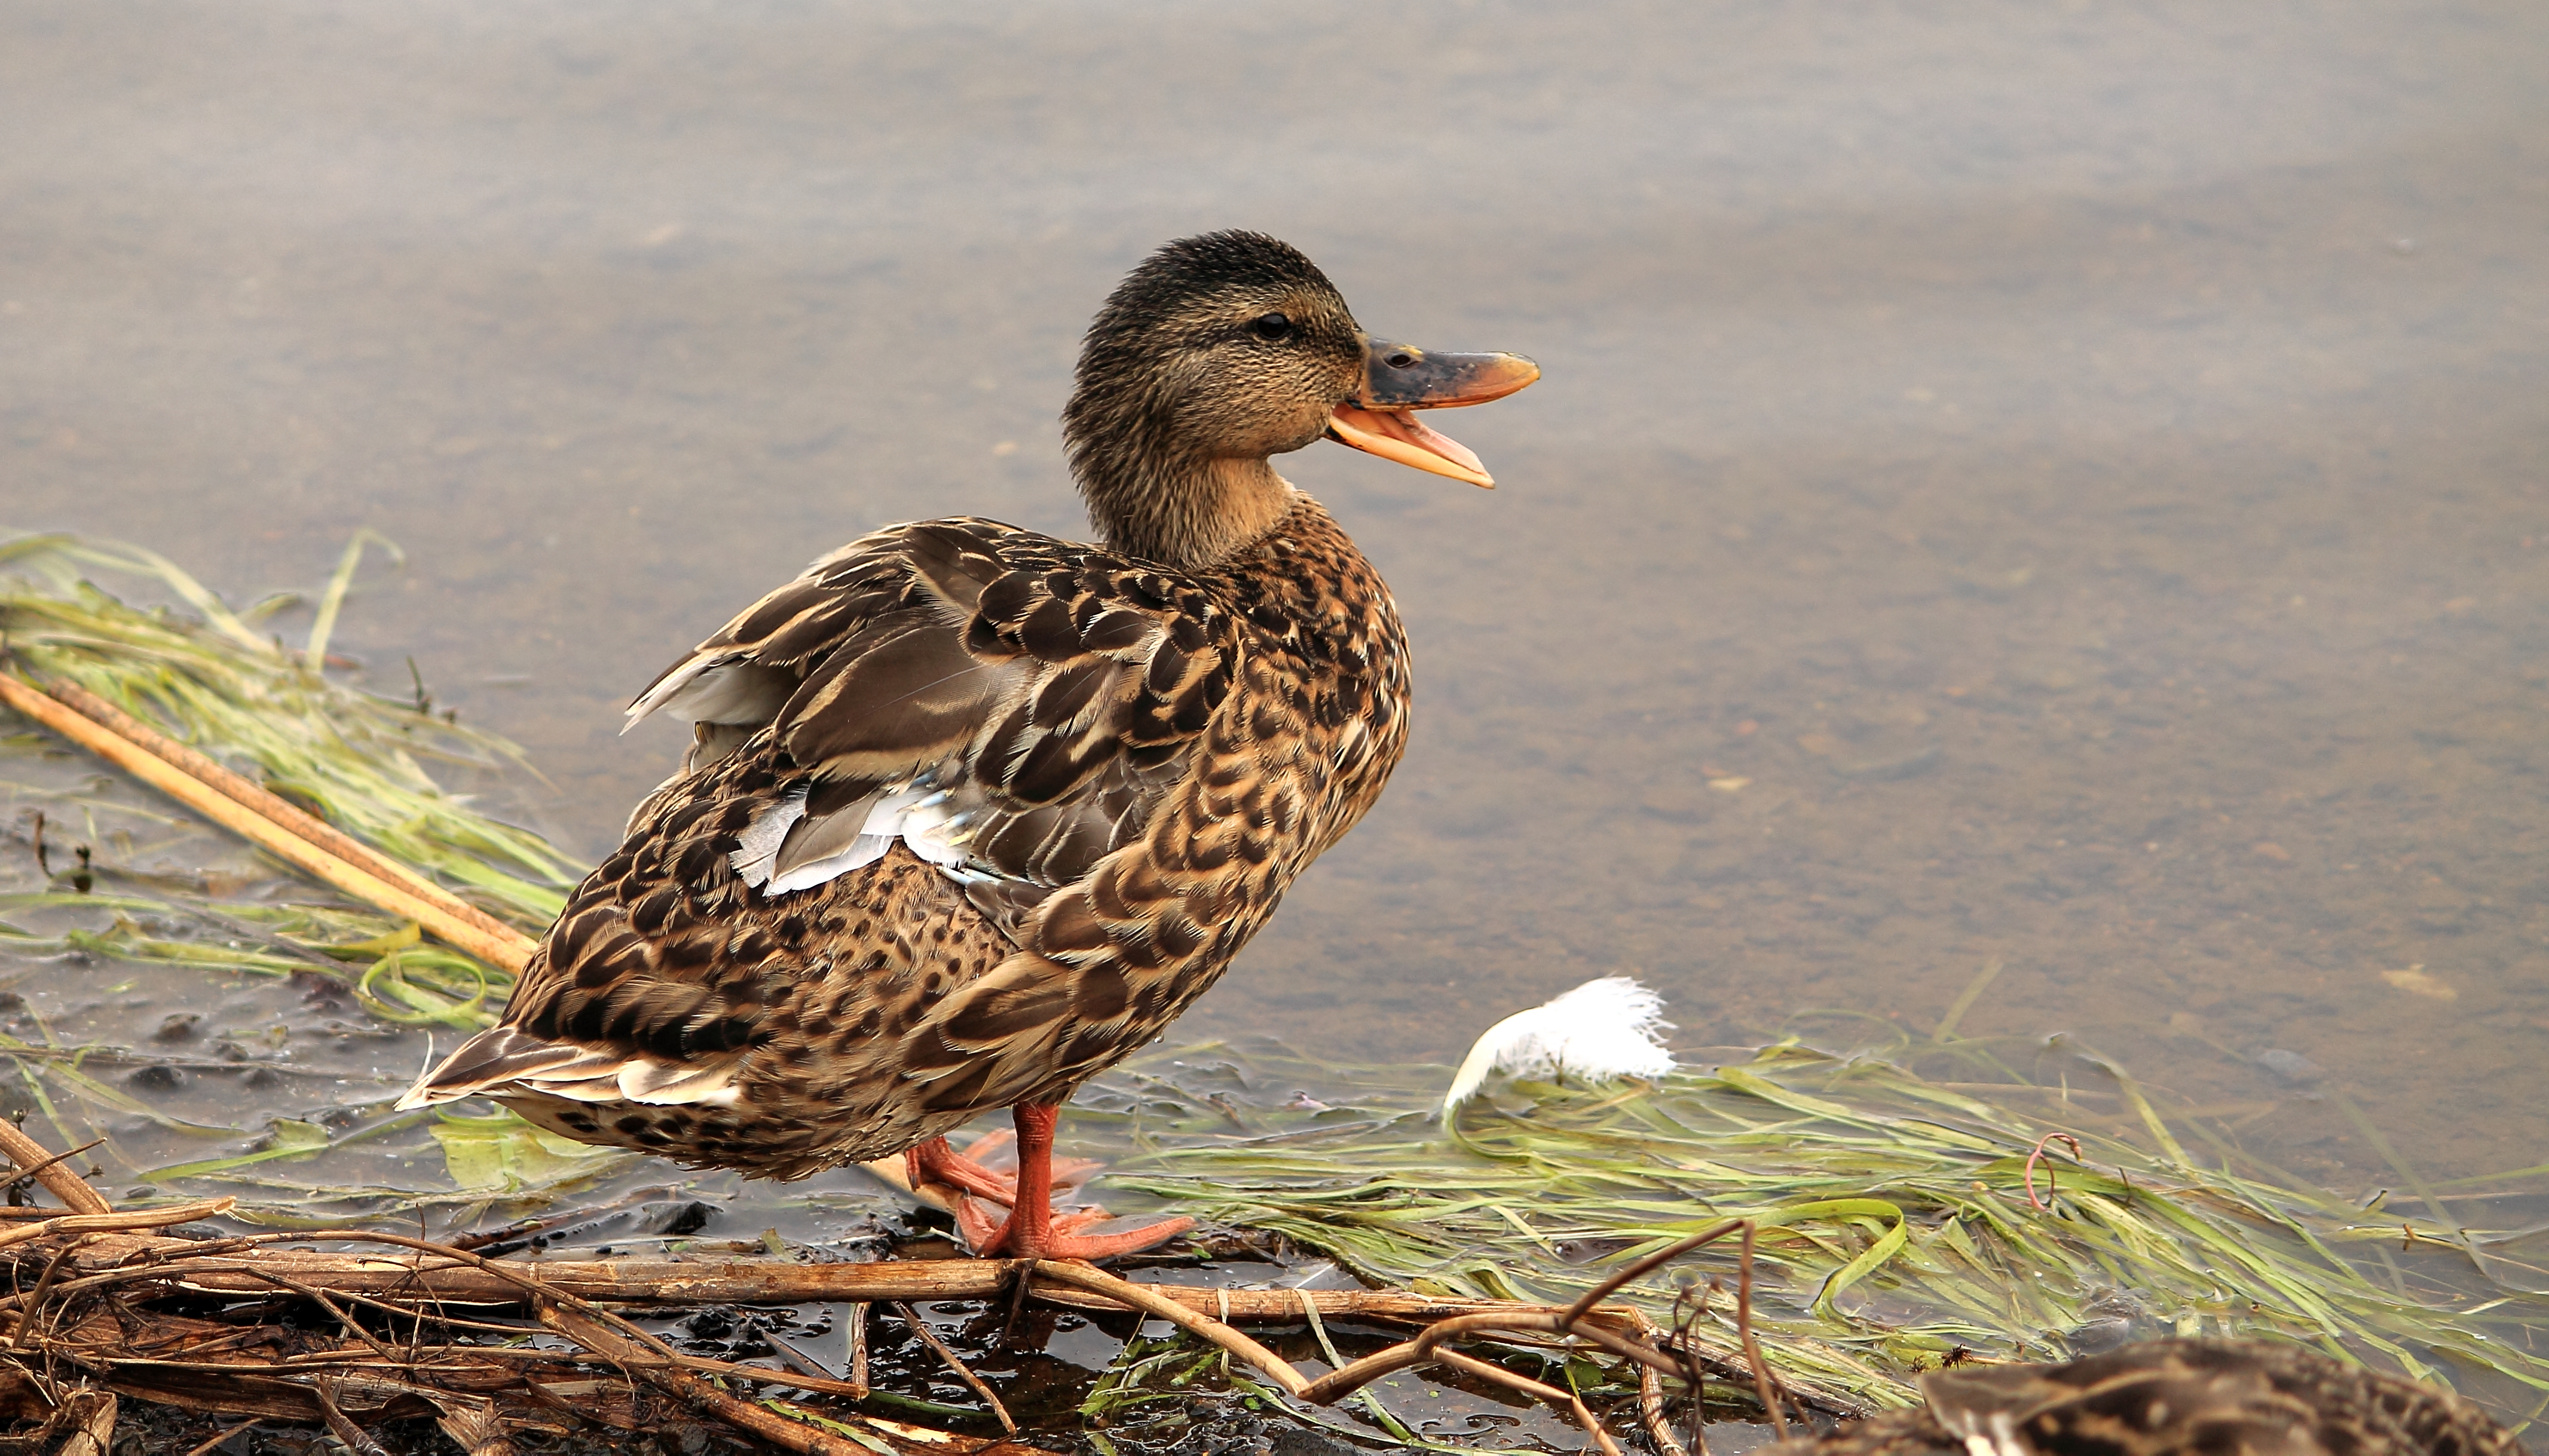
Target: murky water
[2059, 488]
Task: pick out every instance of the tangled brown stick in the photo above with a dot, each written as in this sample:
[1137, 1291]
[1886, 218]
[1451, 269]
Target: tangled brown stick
[560, 1295]
[413, 1284]
[104, 1250]
[449, 1379]
[36, 1321]
[1575, 1320]
[35, 1161]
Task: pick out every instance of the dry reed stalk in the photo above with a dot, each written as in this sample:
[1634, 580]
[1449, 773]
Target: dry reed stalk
[1651, 1415]
[510, 951]
[159, 1218]
[708, 1400]
[476, 1429]
[37, 1159]
[205, 1448]
[444, 1276]
[1344, 1381]
[1565, 1403]
[94, 1436]
[1148, 1299]
[964, 1372]
[858, 1370]
[255, 797]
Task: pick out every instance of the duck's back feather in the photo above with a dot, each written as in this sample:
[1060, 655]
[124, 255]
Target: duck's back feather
[1011, 707]
[1048, 691]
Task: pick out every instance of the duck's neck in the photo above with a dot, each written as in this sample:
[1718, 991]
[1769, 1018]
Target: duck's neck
[1193, 514]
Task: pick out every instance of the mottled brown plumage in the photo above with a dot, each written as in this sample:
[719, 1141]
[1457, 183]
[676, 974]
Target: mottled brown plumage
[971, 812]
[2174, 1398]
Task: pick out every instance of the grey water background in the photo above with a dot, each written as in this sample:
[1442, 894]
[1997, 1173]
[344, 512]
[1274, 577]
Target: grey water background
[2060, 486]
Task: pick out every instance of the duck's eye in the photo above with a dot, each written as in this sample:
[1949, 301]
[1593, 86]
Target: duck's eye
[1272, 327]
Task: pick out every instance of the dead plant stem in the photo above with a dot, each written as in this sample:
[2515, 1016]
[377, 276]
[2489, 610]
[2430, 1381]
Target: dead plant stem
[929, 1337]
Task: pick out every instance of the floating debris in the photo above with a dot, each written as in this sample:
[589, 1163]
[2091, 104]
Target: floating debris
[2415, 981]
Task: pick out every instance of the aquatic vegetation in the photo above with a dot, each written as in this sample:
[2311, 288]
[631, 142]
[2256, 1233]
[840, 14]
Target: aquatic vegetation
[1896, 1224]
[358, 761]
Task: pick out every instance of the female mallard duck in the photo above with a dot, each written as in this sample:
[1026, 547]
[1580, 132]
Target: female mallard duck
[971, 812]
[2174, 1398]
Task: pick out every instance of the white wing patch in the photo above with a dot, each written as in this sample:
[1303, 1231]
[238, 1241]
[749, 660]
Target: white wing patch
[916, 814]
[1988, 1433]
[757, 848]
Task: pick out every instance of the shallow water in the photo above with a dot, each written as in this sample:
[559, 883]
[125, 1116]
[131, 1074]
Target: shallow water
[2049, 488]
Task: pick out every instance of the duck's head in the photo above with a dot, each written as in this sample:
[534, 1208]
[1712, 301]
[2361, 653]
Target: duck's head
[1222, 350]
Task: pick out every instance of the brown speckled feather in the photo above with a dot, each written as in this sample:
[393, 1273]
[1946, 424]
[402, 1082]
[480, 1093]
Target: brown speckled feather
[1134, 762]
[2174, 1398]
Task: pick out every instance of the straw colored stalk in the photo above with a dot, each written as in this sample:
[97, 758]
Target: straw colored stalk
[318, 833]
[94, 1436]
[31, 1156]
[667, 1375]
[159, 1218]
[451, 1277]
[508, 951]
[569, 1297]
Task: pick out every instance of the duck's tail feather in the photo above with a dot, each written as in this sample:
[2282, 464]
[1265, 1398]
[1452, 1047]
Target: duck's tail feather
[507, 1060]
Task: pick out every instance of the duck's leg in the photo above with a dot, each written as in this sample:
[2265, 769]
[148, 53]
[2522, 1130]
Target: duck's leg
[935, 1161]
[938, 1161]
[1032, 1232]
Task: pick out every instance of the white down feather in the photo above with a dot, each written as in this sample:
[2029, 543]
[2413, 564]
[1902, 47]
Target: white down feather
[1602, 1029]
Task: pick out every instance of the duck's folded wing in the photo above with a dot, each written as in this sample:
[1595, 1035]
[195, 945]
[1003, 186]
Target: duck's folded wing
[1009, 706]
[969, 684]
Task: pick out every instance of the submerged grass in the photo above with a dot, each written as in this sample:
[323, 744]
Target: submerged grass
[357, 759]
[1898, 1223]
[364, 761]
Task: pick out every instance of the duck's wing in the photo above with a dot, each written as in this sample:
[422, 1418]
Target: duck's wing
[1007, 705]
[1023, 693]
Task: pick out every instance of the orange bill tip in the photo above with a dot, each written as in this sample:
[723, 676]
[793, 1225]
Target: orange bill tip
[1399, 436]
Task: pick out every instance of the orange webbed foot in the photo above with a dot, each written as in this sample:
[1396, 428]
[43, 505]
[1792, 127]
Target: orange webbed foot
[970, 1171]
[1032, 1230]
[1061, 1237]
[934, 1162]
